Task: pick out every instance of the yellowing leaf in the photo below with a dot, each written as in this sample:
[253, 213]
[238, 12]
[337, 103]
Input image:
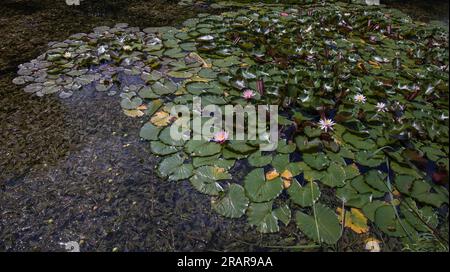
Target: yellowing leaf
[160, 119]
[142, 107]
[197, 78]
[272, 175]
[360, 65]
[218, 170]
[200, 59]
[354, 219]
[375, 64]
[287, 184]
[338, 141]
[133, 113]
[286, 176]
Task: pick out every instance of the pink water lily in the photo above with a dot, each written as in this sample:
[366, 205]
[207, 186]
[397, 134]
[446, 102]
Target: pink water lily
[248, 94]
[326, 124]
[284, 14]
[220, 137]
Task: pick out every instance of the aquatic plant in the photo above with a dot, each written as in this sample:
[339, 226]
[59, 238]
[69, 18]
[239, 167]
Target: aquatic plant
[363, 99]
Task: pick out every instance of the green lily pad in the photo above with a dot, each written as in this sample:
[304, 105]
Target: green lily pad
[168, 87]
[130, 104]
[317, 161]
[258, 160]
[304, 196]
[205, 179]
[233, 203]
[335, 175]
[259, 189]
[323, 226]
[262, 216]
[202, 148]
[149, 132]
[162, 149]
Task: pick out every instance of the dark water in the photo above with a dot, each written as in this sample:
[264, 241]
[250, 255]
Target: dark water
[75, 170]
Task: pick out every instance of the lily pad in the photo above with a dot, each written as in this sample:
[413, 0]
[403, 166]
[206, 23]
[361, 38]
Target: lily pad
[233, 203]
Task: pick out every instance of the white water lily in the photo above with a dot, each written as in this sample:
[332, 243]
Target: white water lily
[381, 107]
[352, 58]
[327, 87]
[429, 90]
[67, 55]
[206, 38]
[326, 124]
[154, 41]
[380, 59]
[359, 98]
[308, 29]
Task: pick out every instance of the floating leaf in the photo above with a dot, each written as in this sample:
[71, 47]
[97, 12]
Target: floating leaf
[280, 162]
[159, 148]
[168, 87]
[202, 148]
[287, 178]
[169, 164]
[283, 213]
[183, 171]
[354, 219]
[258, 160]
[129, 104]
[205, 179]
[317, 161]
[259, 189]
[161, 119]
[304, 196]
[322, 226]
[285, 148]
[335, 175]
[272, 174]
[233, 204]
[149, 132]
[386, 219]
[134, 113]
[262, 216]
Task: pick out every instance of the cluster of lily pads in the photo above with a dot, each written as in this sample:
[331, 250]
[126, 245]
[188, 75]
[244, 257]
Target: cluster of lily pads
[363, 99]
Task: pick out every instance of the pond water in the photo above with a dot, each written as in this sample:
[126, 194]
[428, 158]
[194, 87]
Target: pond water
[76, 169]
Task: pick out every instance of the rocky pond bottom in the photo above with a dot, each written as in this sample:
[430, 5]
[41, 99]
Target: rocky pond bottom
[362, 160]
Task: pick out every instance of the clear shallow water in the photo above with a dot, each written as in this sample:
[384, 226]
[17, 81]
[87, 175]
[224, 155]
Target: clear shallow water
[76, 169]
